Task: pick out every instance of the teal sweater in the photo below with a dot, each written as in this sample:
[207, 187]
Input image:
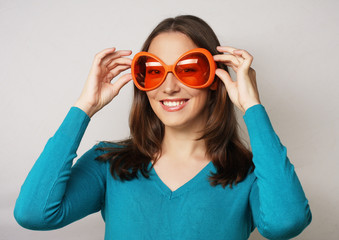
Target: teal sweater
[271, 198]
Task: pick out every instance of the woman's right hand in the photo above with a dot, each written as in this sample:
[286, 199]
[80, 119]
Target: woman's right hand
[99, 90]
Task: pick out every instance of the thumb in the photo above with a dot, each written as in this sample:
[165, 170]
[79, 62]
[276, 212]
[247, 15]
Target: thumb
[122, 81]
[225, 77]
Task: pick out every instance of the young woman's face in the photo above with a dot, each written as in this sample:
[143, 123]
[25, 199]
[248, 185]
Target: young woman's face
[175, 104]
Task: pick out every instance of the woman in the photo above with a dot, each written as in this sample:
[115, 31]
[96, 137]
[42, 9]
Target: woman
[183, 173]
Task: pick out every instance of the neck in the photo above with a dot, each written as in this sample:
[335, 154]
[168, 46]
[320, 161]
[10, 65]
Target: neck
[181, 145]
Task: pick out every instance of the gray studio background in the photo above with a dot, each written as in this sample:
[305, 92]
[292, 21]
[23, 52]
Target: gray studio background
[47, 48]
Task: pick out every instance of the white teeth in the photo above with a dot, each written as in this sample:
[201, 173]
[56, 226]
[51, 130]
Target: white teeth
[172, 103]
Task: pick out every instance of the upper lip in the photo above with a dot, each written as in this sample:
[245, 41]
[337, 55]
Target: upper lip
[174, 100]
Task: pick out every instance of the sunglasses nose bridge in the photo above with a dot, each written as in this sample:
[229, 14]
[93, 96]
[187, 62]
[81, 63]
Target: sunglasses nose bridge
[170, 83]
[169, 69]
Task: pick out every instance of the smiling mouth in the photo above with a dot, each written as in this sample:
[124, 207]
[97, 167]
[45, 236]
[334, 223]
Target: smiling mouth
[173, 103]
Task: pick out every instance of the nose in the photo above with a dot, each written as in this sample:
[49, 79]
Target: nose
[171, 84]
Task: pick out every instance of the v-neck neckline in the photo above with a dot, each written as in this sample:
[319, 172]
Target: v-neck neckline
[167, 192]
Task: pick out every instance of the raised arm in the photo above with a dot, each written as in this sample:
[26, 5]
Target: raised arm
[54, 193]
[279, 207]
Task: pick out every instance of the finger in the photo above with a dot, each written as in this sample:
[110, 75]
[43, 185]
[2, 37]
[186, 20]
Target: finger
[226, 58]
[248, 58]
[225, 77]
[230, 50]
[234, 67]
[100, 55]
[116, 71]
[227, 49]
[240, 59]
[122, 81]
[117, 54]
[119, 61]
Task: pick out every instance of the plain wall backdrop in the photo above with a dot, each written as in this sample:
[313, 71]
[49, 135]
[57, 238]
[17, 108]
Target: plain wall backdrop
[47, 48]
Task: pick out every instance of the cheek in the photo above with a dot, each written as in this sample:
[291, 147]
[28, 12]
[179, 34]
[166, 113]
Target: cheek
[151, 95]
[201, 96]
[201, 102]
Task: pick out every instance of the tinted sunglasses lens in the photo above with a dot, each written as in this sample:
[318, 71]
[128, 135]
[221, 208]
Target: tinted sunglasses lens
[193, 69]
[148, 72]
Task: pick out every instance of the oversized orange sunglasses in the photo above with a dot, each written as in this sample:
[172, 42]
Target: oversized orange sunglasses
[195, 69]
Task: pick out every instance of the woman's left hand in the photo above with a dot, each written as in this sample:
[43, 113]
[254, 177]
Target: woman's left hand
[243, 92]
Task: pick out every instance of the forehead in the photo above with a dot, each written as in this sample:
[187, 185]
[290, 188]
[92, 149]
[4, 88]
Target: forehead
[169, 46]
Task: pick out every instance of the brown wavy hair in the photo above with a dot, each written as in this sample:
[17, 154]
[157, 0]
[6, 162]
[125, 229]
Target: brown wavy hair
[231, 158]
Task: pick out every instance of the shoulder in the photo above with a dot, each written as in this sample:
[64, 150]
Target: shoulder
[106, 147]
[107, 151]
[90, 162]
[107, 144]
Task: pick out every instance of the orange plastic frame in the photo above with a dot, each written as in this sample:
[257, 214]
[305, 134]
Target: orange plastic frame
[171, 68]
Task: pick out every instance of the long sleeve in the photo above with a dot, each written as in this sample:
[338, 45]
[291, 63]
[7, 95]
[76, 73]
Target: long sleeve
[278, 203]
[54, 193]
